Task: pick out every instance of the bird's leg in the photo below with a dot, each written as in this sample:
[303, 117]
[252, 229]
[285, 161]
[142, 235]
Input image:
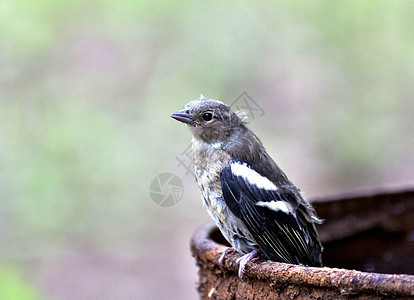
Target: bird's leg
[223, 255]
[246, 259]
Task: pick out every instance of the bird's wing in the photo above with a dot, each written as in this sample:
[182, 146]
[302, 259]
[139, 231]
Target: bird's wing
[278, 220]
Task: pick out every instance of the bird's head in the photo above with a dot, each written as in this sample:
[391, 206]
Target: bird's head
[209, 120]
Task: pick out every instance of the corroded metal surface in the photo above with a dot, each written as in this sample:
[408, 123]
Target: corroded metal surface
[391, 212]
[348, 215]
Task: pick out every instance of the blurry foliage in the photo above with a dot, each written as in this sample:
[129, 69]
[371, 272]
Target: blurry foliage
[12, 287]
[86, 89]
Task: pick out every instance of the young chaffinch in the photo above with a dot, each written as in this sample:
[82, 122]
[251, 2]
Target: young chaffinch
[253, 203]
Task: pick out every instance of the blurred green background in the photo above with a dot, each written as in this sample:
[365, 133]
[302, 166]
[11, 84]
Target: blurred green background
[86, 89]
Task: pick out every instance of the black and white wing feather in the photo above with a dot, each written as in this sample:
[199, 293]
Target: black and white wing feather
[278, 219]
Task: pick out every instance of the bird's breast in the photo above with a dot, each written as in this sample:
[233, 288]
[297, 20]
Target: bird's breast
[208, 164]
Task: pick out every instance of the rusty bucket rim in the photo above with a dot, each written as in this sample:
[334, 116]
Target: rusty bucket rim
[364, 193]
[346, 281]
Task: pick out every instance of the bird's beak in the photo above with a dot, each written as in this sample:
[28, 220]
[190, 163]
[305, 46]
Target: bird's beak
[183, 116]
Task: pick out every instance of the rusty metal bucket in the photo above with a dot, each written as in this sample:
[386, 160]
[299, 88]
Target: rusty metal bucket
[368, 254]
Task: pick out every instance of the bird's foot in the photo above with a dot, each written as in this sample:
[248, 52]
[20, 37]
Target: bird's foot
[223, 255]
[245, 259]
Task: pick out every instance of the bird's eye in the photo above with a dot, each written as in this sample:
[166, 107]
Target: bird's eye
[207, 116]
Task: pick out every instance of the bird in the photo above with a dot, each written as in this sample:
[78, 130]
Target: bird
[258, 210]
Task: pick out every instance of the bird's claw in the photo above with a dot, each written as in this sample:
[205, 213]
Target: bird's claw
[223, 255]
[245, 259]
